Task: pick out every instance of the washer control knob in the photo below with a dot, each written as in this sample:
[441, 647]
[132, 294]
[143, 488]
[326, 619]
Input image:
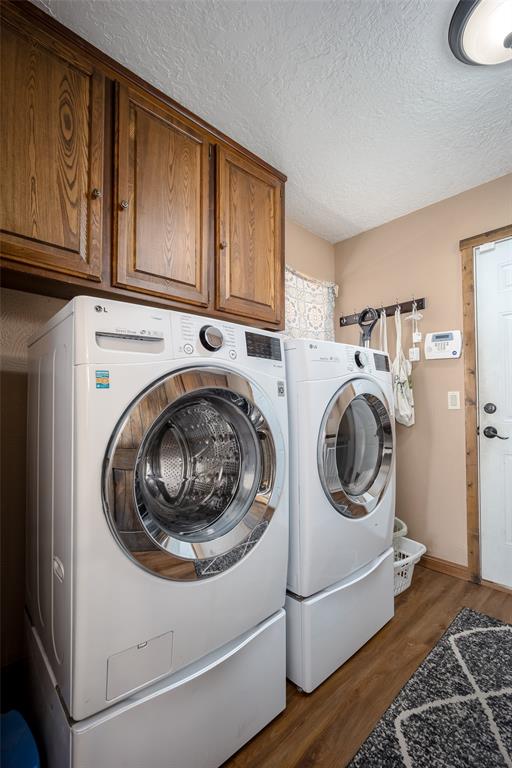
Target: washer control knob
[211, 338]
[361, 359]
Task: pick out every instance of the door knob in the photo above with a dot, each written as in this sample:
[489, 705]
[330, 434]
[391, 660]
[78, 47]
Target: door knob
[493, 432]
[96, 193]
[490, 408]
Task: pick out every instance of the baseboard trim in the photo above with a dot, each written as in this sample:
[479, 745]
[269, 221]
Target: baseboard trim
[497, 587]
[445, 566]
[459, 572]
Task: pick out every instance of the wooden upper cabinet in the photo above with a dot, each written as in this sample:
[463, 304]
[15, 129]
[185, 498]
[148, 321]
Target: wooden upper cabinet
[51, 155]
[249, 247]
[108, 186]
[161, 202]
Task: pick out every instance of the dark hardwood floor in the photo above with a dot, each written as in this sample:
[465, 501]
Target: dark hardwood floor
[324, 729]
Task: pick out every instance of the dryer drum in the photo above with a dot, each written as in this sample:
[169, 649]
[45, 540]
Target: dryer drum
[355, 448]
[359, 444]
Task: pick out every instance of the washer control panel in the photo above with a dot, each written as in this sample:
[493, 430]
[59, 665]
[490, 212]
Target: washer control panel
[217, 340]
[260, 345]
[192, 335]
[211, 338]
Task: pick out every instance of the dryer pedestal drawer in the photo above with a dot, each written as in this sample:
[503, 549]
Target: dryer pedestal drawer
[324, 630]
[195, 718]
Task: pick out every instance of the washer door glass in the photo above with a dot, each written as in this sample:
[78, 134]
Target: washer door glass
[193, 473]
[356, 448]
[198, 468]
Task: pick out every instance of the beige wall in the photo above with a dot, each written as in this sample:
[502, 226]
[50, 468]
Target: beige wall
[419, 255]
[308, 253]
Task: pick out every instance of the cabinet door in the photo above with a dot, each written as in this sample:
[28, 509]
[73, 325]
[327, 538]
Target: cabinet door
[249, 253]
[51, 156]
[162, 202]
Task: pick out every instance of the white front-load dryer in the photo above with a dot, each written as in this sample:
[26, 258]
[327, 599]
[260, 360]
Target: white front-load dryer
[158, 495]
[342, 504]
[342, 466]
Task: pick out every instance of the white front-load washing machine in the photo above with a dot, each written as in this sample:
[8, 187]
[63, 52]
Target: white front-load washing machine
[157, 532]
[342, 504]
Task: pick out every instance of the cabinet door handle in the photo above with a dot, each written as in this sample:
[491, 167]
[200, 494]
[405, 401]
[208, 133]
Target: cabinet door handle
[96, 193]
[124, 204]
[223, 244]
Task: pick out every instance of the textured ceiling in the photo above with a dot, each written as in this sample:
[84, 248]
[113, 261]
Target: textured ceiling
[359, 102]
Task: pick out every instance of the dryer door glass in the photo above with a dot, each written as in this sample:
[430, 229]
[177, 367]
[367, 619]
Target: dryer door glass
[193, 473]
[355, 448]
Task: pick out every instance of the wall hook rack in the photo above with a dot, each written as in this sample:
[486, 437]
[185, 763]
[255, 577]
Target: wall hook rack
[405, 306]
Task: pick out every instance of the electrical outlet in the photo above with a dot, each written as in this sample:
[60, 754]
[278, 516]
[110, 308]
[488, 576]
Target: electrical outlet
[454, 401]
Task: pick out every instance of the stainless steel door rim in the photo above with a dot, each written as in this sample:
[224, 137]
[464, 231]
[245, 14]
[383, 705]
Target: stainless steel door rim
[193, 472]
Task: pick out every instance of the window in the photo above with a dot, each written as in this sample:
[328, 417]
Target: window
[309, 312]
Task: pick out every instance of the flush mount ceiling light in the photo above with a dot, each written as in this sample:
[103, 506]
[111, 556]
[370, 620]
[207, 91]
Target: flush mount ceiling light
[481, 31]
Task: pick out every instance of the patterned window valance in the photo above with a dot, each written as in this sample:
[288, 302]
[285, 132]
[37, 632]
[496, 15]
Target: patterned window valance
[309, 308]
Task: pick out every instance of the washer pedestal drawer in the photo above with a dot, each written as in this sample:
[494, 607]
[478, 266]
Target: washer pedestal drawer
[324, 630]
[195, 718]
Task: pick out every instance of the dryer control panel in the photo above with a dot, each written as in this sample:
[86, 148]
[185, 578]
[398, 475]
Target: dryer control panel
[381, 361]
[359, 359]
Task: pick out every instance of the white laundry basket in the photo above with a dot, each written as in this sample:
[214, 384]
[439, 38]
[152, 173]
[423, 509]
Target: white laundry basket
[407, 554]
[399, 528]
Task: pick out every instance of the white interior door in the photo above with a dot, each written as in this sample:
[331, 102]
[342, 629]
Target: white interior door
[493, 285]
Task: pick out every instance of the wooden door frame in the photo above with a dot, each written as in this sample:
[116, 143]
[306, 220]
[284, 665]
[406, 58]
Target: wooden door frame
[471, 392]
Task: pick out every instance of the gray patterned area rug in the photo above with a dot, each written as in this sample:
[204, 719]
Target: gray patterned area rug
[456, 710]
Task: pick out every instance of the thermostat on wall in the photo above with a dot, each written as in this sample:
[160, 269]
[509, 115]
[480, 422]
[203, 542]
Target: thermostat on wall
[443, 344]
